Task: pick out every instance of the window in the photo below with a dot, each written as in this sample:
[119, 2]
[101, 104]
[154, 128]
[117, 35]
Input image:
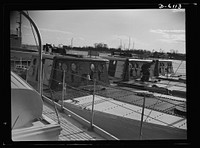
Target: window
[114, 62]
[169, 64]
[100, 67]
[130, 66]
[92, 67]
[34, 61]
[73, 67]
[59, 66]
[64, 66]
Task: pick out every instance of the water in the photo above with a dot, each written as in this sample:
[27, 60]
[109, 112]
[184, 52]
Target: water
[179, 67]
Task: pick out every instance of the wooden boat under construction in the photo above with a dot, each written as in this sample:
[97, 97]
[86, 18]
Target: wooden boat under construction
[82, 85]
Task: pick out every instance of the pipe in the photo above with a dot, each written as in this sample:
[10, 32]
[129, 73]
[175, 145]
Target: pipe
[40, 52]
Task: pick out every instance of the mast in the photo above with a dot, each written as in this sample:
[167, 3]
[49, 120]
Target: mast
[71, 43]
[133, 45]
[19, 31]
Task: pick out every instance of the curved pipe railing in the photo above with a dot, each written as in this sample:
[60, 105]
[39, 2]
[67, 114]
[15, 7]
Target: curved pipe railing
[39, 50]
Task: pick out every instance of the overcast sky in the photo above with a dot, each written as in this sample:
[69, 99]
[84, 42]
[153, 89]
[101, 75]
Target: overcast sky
[147, 28]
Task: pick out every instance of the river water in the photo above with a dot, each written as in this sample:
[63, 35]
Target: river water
[179, 67]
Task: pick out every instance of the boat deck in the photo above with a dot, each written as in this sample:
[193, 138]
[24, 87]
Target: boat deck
[122, 120]
[111, 106]
[164, 87]
[71, 129]
[157, 102]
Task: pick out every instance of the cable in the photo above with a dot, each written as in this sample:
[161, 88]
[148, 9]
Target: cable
[174, 74]
[147, 116]
[120, 89]
[53, 100]
[151, 110]
[80, 90]
[105, 84]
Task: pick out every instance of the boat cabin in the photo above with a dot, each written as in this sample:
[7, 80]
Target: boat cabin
[78, 70]
[129, 68]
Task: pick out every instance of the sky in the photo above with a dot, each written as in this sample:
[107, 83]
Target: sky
[148, 29]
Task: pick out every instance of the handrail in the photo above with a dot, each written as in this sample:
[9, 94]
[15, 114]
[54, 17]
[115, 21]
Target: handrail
[39, 50]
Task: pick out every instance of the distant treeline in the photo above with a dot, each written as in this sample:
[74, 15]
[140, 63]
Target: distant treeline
[140, 53]
[136, 52]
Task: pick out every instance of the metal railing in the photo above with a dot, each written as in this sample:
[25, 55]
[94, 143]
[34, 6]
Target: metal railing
[95, 91]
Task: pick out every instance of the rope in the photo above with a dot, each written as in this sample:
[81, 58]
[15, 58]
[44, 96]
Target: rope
[147, 116]
[151, 111]
[174, 74]
[127, 108]
[118, 88]
[53, 99]
[104, 84]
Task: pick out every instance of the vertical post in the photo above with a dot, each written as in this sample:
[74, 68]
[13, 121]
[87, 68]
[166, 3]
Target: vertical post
[63, 91]
[141, 122]
[20, 23]
[14, 64]
[167, 70]
[93, 104]
[27, 63]
[20, 61]
[42, 78]
[27, 74]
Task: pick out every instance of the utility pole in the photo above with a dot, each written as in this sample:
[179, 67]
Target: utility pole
[129, 44]
[71, 43]
[120, 46]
